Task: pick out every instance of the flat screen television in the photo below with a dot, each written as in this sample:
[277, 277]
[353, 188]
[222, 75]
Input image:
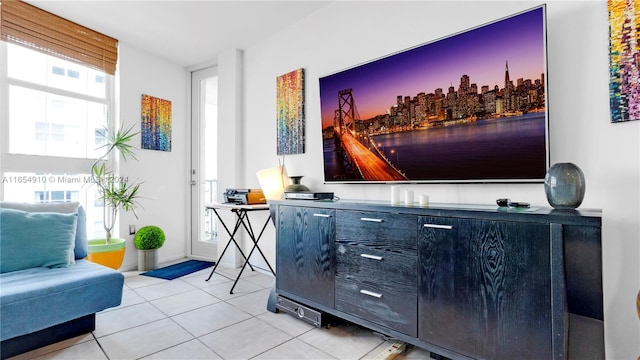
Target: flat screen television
[467, 108]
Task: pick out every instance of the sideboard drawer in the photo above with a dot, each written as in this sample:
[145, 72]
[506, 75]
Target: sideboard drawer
[385, 231]
[378, 286]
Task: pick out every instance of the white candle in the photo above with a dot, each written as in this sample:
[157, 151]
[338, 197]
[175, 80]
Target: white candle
[424, 200]
[395, 195]
[408, 197]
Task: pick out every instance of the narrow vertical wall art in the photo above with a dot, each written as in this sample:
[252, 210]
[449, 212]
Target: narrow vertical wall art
[290, 112]
[624, 60]
[156, 123]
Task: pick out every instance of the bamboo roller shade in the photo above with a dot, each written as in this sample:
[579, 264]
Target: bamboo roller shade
[29, 26]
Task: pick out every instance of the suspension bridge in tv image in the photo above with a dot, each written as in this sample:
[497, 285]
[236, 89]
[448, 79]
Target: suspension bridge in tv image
[365, 161]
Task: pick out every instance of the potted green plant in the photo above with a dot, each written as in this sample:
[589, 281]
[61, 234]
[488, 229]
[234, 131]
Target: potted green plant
[115, 193]
[148, 240]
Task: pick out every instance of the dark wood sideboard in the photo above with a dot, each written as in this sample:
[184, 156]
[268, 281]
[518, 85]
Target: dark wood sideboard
[462, 281]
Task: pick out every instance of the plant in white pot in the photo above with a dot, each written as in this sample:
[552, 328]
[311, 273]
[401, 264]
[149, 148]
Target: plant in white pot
[148, 240]
[115, 193]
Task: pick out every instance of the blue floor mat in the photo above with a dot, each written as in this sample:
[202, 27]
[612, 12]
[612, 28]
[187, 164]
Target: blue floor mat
[177, 270]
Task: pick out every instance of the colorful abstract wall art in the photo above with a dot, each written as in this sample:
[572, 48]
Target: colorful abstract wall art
[290, 112]
[624, 60]
[156, 123]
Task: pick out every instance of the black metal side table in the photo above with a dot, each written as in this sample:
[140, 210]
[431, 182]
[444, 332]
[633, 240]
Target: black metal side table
[242, 221]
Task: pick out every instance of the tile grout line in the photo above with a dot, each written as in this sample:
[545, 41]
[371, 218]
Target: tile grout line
[100, 345]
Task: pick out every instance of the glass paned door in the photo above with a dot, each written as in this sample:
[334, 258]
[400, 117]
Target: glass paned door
[204, 167]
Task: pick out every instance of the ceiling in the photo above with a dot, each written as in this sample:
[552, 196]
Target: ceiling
[189, 33]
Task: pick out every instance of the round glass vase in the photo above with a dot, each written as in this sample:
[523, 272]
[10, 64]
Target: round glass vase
[295, 185]
[564, 186]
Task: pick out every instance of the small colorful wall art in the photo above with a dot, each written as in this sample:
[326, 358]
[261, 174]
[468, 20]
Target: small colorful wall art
[624, 59]
[290, 112]
[156, 123]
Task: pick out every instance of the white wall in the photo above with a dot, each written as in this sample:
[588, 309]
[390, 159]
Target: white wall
[165, 175]
[344, 34]
[230, 154]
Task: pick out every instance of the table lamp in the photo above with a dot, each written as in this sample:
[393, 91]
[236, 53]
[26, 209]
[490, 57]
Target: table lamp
[273, 181]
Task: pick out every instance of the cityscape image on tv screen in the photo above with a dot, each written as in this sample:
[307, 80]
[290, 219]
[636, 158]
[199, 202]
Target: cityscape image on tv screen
[470, 107]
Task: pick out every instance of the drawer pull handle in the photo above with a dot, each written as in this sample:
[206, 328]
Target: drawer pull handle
[372, 257]
[371, 220]
[436, 226]
[322, 215]
[371, 293]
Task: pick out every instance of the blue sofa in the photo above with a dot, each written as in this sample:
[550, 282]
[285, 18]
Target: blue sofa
[48, 292]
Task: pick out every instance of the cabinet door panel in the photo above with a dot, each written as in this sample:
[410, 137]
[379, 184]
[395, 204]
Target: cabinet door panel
[444, 294]
[484, 287]
[305, 261]
[584, 283]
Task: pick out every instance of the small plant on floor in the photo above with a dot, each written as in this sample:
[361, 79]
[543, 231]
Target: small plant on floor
[149, 237]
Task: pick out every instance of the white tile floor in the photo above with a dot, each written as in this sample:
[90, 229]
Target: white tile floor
[190, 318]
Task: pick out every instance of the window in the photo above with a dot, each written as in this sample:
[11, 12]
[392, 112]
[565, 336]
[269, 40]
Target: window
[56, 95]
[73, 74]
[99, 232]
[100, 136]
[60, 111]
[56, 196]
[56, 70]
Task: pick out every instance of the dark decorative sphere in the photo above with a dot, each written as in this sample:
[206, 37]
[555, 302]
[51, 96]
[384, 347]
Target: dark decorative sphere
[564, 185]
